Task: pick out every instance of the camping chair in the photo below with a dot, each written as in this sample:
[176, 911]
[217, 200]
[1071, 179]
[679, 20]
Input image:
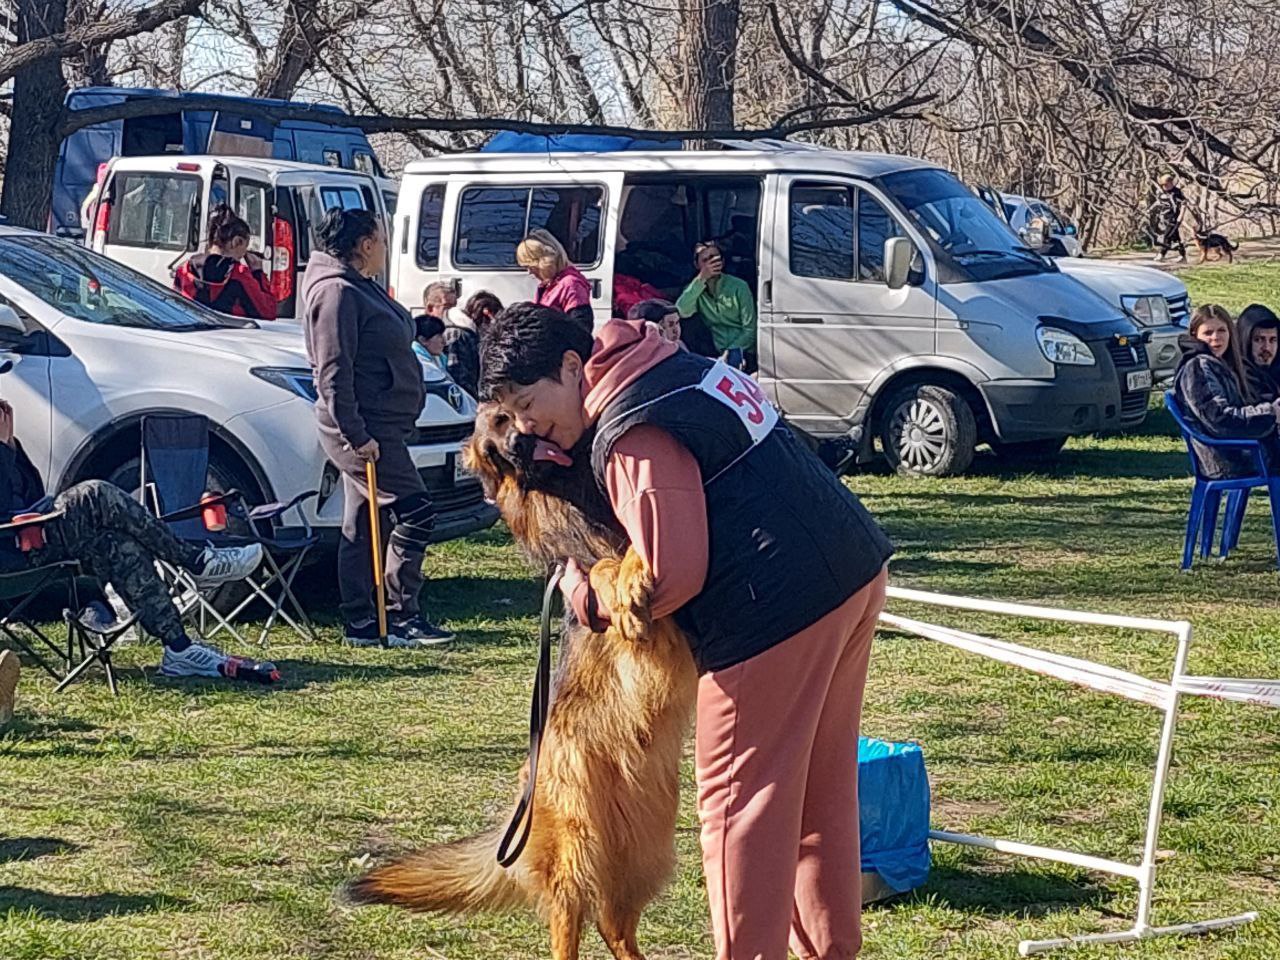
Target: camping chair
[1206, 495]
[175, 464]
[21, 588]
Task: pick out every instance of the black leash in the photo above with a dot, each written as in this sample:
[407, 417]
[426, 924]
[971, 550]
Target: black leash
[512, 845]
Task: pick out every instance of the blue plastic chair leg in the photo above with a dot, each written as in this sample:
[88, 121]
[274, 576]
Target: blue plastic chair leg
[1237, 504]
[1194, 515]
[1209, 525]
[1273, 490]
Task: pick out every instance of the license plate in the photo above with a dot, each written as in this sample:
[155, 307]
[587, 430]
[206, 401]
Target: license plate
[1138, 380]
[460, 474]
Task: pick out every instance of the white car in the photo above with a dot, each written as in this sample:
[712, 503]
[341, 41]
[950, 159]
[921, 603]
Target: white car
[95, 346]
[1020, 211]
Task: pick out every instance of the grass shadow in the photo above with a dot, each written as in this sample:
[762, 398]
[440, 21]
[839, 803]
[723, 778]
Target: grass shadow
[13, 849]
[79, 909]
[1010, 894]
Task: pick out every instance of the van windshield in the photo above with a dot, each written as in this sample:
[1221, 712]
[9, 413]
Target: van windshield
[963, 231]
[89, 287]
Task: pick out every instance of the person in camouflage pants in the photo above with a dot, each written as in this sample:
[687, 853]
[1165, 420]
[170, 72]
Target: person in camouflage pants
[118, 542]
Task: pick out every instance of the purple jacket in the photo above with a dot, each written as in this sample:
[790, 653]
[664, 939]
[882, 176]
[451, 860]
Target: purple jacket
[568, 290]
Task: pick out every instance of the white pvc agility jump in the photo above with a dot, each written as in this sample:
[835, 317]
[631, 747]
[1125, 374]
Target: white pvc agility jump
[1162, 695]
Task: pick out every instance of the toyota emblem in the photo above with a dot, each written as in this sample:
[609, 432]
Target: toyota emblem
[455, 397]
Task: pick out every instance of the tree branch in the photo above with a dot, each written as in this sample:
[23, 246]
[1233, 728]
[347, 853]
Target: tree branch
[68, 42]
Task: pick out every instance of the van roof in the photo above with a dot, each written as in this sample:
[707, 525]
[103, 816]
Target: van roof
[791, 157]
[263, 165]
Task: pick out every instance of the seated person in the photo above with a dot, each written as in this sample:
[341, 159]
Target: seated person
[227, 277]
[662, 314]
[1258, 333]
[561, 285]
[117, 541]
[724, 303]
[428, 340]
[1214, 395]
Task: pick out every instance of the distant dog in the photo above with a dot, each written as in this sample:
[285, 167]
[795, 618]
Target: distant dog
[602, 843]
[1208, 242]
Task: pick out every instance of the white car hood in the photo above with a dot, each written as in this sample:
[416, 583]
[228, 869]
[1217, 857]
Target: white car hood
[1114, 280]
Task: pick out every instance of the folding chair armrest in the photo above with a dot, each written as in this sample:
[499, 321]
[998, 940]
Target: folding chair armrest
[193, 511]
[14, 526]
[271, 511]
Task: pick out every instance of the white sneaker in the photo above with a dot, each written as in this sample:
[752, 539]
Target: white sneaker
[221, 565]
[201, 660]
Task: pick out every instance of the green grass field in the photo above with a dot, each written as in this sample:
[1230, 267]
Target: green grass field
[189, 820]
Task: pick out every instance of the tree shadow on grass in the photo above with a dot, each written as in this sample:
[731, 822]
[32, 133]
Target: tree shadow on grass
[1012, 893]
[13, 849]
[79, 909]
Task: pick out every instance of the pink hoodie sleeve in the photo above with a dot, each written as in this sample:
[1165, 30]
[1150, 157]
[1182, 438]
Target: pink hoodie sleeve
[655, 487]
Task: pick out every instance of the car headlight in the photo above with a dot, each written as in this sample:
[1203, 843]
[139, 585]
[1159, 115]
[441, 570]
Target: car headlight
[1149, 310]
[297, 380]
[1059, 346]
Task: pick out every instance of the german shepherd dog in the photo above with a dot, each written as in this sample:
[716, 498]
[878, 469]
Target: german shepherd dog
[602, 843]
[1207, 242]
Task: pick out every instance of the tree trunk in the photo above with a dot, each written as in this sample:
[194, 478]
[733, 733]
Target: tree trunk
[709, 46]
[38, 92]
[295, 53]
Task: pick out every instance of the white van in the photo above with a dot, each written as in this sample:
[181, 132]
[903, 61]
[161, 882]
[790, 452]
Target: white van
[153, 212]
[894, 306]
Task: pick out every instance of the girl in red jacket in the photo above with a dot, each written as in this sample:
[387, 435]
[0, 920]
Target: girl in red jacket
[227, 277]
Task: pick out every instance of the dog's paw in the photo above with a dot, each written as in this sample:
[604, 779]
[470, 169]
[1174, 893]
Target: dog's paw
[626, 588]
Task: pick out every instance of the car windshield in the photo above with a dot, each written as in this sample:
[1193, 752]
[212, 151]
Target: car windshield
[89, 287]
[961, 228]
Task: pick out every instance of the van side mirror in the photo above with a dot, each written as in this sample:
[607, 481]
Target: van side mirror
[1070, 230]
[898, 253]
[1036, 233]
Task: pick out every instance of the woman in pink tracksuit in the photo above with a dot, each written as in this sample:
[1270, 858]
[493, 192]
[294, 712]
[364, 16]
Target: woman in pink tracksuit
[776, 573]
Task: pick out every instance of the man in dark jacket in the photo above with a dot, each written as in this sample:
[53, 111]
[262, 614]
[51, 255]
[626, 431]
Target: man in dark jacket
[371, 392]
[1258, 333]
[117, 541]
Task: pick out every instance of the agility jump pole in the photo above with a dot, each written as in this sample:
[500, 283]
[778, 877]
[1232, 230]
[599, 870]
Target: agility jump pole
[1095, 676]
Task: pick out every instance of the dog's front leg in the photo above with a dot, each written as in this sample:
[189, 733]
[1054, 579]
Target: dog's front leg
[566, 930]
[618, 930]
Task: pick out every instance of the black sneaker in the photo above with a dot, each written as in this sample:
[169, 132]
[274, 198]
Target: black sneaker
[417, 632]
[364, 633]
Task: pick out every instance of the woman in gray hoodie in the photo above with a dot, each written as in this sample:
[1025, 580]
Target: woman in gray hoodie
[360, 342]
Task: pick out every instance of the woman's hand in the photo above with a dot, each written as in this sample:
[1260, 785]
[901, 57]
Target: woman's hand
[574, 577]
[368, 452]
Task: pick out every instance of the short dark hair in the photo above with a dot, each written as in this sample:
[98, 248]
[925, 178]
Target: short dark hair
[426, 326]
[527, 343]
[652, 310]
[1261, 316]
[226, 225]
[340, 231]
[481, 306]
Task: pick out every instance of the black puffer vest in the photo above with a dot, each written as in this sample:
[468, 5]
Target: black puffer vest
[788, 542]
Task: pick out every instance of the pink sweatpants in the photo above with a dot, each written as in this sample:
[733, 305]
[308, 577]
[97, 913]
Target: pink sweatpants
[777, 767]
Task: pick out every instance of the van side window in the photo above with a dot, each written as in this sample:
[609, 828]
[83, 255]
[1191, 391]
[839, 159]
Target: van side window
[364, 162]
[572, 214]
[875, 226]
[430, 214]
[347, 198]
[252, 206]
[821, 231]
[493, 220]
[332, 158]
[154, 210]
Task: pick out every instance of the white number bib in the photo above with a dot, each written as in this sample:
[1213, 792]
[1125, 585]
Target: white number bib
[741, 394]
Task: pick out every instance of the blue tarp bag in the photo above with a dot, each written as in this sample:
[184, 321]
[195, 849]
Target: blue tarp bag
[893, 801]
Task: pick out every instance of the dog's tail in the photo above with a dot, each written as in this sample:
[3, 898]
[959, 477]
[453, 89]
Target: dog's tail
[1233, 246]
[458, 877]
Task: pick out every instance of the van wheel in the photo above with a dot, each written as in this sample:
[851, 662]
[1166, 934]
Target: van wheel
[928, 431]
[1029, 451]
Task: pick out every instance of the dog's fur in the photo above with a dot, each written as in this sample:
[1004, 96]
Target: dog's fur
[1220, 246]
[604, 808]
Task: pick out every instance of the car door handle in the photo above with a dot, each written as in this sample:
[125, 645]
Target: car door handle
[595, 288]
[805, 320]
[8, 361]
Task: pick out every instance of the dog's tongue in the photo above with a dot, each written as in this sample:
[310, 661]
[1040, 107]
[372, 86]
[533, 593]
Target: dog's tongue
[546, 450]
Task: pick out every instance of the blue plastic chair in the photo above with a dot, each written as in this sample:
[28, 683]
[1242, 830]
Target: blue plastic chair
[1206, 495]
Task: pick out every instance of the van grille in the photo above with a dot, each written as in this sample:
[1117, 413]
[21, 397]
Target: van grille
[1128, 357]
[1180, 309]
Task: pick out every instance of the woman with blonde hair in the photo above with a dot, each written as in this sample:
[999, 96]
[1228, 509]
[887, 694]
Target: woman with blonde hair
[561, 285]
[1214, 394]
